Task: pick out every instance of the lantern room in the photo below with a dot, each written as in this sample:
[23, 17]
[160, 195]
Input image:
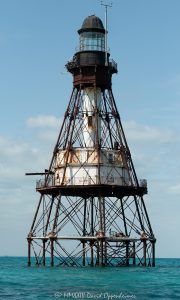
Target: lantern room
[92, 35]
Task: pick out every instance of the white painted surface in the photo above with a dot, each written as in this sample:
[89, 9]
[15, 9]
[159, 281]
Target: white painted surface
[89, 130]
[82, 168]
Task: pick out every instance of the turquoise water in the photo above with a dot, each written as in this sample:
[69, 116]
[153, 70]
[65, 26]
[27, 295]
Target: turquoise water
[17, 281]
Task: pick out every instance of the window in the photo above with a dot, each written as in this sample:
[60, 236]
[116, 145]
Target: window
[90, 121]
[92, 41]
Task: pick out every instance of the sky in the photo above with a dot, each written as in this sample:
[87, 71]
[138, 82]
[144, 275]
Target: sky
[37, 38]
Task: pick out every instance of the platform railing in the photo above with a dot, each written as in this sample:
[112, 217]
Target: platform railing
[113, 65]
[82, 181]
[72, 62]
[143, 183]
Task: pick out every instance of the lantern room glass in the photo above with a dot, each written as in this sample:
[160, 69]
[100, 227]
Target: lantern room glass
[92, 41]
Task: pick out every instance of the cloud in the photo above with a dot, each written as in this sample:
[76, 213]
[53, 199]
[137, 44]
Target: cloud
[47, 127]
[175, 189]
[48, 136]
[151, 149]
[16, 158]
[9, 147]
[43, 121]
[143, 133]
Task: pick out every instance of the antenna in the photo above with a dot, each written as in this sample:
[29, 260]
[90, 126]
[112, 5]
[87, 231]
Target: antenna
[106, 7]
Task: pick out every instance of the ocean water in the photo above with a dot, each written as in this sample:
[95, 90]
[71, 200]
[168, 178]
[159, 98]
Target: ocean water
[17, 281]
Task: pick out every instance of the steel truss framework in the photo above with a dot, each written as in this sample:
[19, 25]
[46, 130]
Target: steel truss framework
[99, 223]
[69, 231]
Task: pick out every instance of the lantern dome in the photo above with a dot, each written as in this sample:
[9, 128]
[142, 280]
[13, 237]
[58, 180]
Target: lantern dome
[92, 23]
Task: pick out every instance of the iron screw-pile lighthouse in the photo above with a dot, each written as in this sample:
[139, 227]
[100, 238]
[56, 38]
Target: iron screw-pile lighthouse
[91, 209]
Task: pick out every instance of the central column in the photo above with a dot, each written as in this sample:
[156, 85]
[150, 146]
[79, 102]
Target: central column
[89, 130]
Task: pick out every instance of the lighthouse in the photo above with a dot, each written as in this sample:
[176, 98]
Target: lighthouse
[91, 209]
[98, 150]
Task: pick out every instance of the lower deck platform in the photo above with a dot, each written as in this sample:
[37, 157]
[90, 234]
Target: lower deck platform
[93, 190]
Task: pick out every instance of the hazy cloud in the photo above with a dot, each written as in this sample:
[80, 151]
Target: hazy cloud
[48, 136]
[143, 133]
[16, 158]
[175, 189]
[43, 121]
[47, 127]
[10, 147]
[49, 124]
